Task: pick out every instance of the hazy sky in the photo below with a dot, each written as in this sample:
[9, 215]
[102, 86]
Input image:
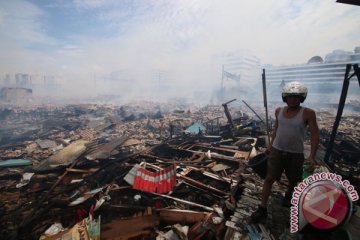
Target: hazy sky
[80, 39]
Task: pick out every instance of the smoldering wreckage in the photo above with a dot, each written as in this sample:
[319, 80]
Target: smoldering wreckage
[135, 172]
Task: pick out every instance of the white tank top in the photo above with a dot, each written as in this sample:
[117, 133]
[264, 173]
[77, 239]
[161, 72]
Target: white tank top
[290, 133]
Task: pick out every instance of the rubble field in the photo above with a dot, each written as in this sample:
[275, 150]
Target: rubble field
[150, 171]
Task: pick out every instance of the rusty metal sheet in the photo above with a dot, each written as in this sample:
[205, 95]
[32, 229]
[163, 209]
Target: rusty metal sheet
[65, 156]
[104, 151]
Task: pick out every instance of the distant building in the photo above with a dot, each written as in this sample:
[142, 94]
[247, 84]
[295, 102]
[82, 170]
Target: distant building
[7, 80]
[13, 95]
[323, 77]
[239, 72]
[22, 79]
[40, 84]
[244, 64]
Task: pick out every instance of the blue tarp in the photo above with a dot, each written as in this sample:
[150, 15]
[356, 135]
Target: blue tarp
[195, 128]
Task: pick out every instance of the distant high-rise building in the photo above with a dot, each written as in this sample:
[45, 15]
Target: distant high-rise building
[22, 79]
[7, 80]
[239, 71]
[244, 64]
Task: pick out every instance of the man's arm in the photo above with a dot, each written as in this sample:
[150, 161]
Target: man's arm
[314, 131]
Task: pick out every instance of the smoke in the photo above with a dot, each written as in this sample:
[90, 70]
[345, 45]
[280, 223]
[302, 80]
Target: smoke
[158, 50]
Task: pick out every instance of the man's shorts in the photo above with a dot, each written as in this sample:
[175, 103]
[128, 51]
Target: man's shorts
[292, 163]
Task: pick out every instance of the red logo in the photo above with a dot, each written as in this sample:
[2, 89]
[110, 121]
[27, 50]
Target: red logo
[324, 205]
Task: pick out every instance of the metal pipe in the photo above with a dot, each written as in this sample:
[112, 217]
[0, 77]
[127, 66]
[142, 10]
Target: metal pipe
[253, 111]
[265, 105]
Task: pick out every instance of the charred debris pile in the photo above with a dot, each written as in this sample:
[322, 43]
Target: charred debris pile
[141, 171]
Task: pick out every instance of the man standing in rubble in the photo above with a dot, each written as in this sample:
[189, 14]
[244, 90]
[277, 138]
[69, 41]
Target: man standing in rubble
[286, 149]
